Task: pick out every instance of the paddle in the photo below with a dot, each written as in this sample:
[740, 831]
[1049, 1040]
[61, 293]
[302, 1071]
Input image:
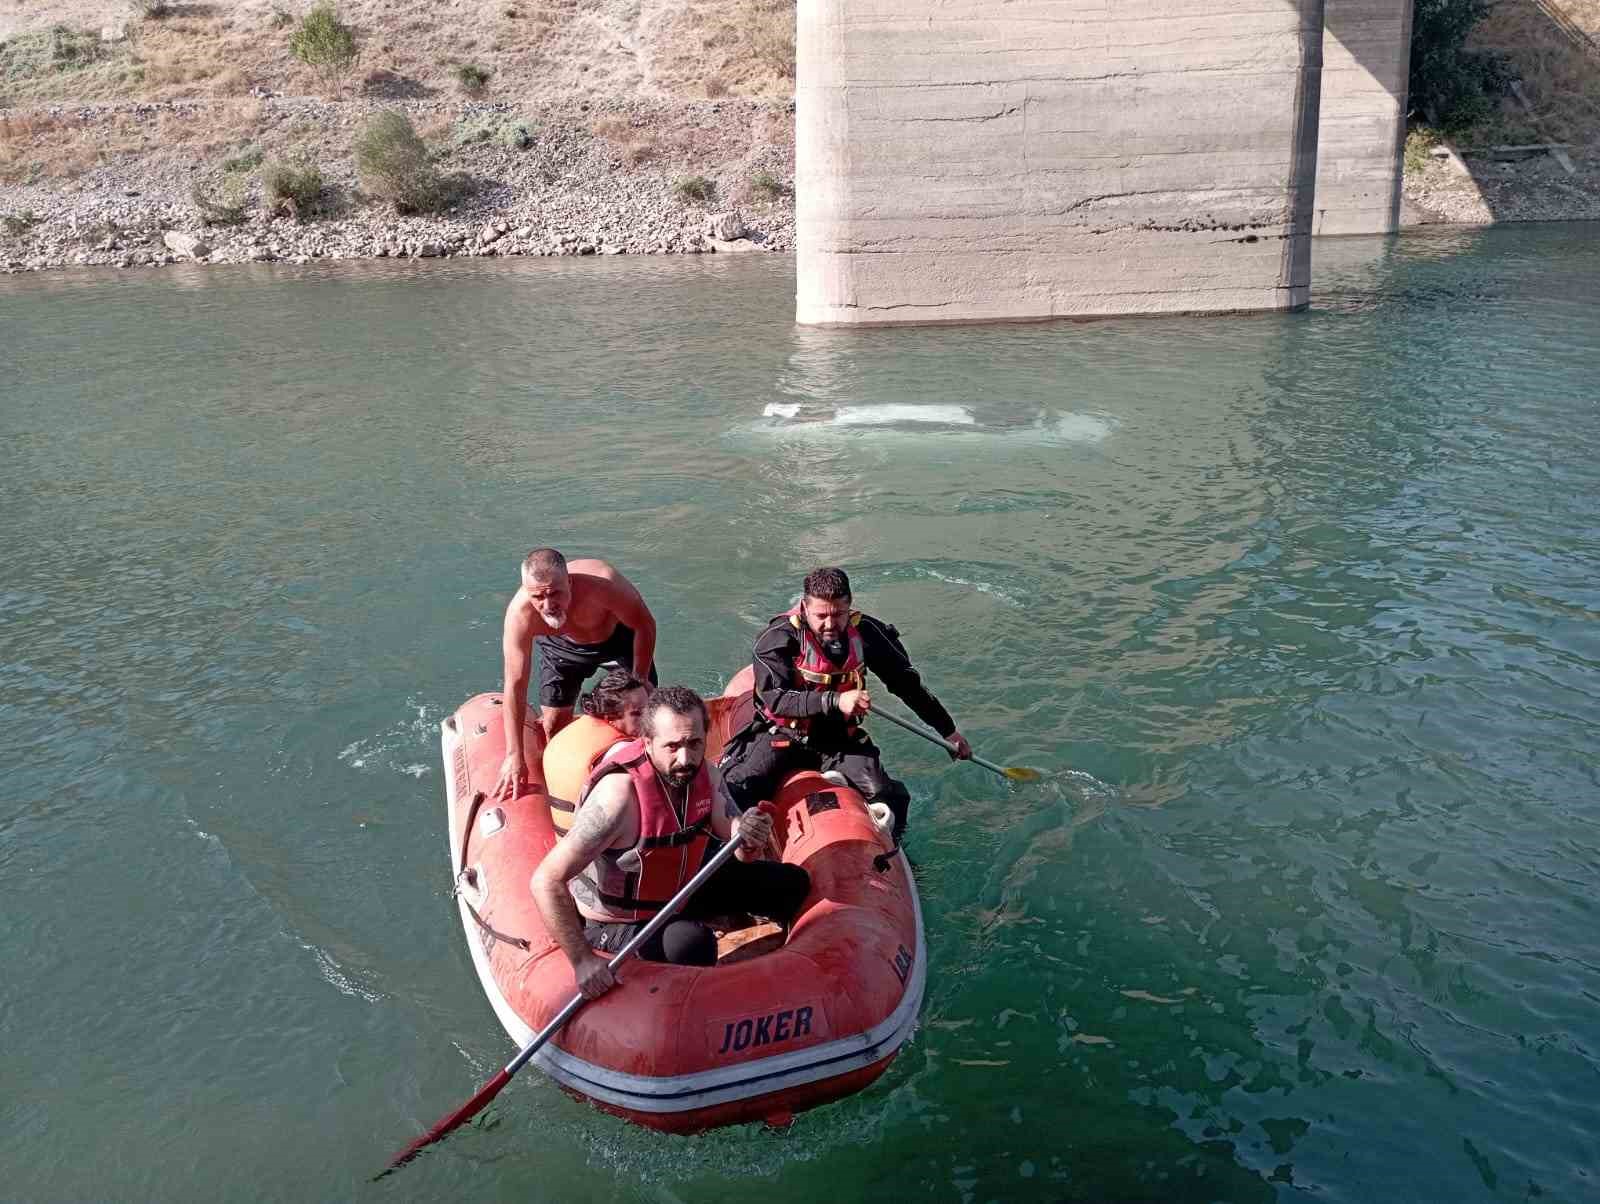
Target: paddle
[1014, 773]
[492, 1088]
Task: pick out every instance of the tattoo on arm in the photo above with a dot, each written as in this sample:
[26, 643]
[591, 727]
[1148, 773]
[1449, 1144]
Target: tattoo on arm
[592, 828]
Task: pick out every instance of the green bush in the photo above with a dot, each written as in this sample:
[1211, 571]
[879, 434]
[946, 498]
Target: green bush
[293, 187]
[471, 76]
[510, 132]
[1452, 86]
[696, 188]
[248, 159]
[224, 205]
[1419, 142]
[394, 165]
[17, 224]
[764, 186]
[326, 44]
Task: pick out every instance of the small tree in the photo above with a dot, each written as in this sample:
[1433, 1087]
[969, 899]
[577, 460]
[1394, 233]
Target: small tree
[326, 44]
[1459, 87]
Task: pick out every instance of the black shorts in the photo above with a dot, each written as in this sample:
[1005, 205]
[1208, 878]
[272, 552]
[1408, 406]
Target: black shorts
[564, 665]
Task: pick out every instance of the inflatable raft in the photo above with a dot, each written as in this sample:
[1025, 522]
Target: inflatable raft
[778, 1025]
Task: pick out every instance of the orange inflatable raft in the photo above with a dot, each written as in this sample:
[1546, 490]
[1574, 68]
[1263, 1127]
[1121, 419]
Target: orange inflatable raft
[776, 1026]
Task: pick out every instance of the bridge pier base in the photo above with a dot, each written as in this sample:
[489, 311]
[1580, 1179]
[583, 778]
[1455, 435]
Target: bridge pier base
[981, 161]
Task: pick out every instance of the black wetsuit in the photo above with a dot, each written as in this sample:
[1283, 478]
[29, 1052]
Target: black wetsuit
[761, 756]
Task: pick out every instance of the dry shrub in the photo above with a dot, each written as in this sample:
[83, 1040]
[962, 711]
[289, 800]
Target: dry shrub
[395, 165]
[15, 225]
[612, 129]
[35, 146]
[744, 46]
[225, 203]
[1555, 47]
[696, 189]
[634, 143]
[472, 77]
[292, 186]
[765, 187]
[210, 127]
[188, 58]
[230, 82]
[769, 33]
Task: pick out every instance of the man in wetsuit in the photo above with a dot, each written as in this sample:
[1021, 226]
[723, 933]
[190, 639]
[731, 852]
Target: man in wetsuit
[811, 695]
[581, 617]
[645, 818]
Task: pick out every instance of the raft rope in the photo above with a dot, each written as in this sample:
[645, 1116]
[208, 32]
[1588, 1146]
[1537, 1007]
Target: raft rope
[519, 941]
[469, 877]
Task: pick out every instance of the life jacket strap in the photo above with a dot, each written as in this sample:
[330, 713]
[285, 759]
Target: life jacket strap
[673, 840]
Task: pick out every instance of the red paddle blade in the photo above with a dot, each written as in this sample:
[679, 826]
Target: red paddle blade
[452, 1122]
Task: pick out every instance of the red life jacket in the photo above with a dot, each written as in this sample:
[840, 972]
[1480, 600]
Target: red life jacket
[633, 884]
[813, 670]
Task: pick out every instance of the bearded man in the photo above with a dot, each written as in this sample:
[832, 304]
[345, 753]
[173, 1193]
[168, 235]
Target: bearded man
[644, 821]
[811, 665]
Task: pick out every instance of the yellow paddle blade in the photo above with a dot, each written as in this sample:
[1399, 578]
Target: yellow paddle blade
[1018, 774]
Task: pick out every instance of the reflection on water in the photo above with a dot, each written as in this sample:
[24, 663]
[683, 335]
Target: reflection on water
[1296, 612]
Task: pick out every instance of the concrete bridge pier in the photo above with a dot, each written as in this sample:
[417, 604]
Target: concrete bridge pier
[973, 160]
[1366, 55]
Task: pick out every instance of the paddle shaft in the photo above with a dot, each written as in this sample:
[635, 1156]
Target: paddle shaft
[492, 1088]
[917, 730]
[656, 924]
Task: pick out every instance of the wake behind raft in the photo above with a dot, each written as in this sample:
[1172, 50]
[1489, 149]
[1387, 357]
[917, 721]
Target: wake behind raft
[778, 1025]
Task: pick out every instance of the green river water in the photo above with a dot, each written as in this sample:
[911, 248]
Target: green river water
[1301, 612]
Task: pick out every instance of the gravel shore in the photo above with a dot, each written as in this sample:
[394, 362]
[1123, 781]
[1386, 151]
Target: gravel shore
[557, 180]
[573, 179]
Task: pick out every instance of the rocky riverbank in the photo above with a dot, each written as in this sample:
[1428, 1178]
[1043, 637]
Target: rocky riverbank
[630, 178]
[115, 184]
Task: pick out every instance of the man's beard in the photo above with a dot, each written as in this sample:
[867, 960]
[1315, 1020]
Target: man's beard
[682, 777]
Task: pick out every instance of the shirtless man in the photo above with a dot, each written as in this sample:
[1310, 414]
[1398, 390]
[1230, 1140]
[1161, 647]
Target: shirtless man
[582, 617]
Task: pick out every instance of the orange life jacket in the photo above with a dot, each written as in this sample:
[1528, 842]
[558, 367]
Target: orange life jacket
[633, 884]
[569, 759]
[813, 670]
